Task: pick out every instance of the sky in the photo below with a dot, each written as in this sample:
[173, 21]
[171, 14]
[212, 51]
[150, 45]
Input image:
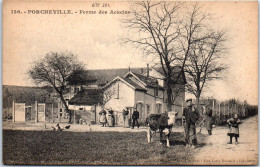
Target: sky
[97, 40]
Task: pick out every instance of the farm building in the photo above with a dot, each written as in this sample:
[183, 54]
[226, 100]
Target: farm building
[86, 104]
[135, 90]
[143, 88]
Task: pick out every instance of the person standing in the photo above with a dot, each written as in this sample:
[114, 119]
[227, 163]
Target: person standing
[208, 119]
[103, 119]
[190, 115]
[126, 118]
[110, 118]
[233, 128]
[135, 118]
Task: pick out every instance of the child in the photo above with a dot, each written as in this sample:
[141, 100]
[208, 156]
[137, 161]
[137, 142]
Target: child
[103, 119]
[234, 130]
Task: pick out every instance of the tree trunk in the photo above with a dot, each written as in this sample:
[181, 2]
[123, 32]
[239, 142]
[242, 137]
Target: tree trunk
[197, 99]
[169, 97]
[66, 106]
[198, 93]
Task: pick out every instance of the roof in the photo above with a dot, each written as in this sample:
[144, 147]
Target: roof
[128, 82]
[148, 81]
[137, 87]
[106, 75]
[87, 97]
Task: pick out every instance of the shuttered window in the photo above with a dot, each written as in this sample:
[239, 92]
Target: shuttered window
[116, 90]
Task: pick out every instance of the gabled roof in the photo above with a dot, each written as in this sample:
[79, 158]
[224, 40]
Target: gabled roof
[127, 81]
[106, 75]
[87, 97]
[149, 82]
[137, 87]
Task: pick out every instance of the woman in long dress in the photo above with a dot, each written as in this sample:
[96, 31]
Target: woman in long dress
[208, 119]
[103, 119]
[110, 118]
[233, 128]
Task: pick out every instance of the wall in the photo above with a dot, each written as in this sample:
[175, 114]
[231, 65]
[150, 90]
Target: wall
[140, 104]
[126, 97]
[145, 100]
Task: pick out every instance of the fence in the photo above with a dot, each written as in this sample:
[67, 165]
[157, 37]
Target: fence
[223, 110]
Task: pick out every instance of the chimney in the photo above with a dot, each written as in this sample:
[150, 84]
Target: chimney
[129, 68]
[142, 70]
[147, 70]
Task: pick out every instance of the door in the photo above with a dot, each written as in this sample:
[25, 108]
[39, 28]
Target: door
[140, 108]
[41, 112]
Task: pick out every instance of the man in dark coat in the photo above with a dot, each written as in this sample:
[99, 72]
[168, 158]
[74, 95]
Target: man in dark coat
[135, 118]
[208, 120]
[190, 115]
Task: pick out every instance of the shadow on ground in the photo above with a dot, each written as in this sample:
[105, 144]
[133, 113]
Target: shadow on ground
[178, 138]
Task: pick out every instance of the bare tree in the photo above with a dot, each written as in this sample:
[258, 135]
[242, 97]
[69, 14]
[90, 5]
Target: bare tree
[107, 96]
[204, 62]
[166, 35]
[54, 70]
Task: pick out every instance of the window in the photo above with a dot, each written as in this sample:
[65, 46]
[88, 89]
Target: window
[148, 109]
[158, 108]
[116, 90]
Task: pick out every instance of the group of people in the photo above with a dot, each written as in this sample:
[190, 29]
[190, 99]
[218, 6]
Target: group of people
[127, 120]
[191, 116]
[109, 119]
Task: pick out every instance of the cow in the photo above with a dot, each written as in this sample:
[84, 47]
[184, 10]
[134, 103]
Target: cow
[162, 122]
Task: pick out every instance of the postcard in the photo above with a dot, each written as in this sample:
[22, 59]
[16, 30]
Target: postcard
[130, 82]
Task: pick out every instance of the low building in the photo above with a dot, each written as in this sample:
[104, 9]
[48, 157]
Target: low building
[141, 88]
[86, 105]
[135, 91]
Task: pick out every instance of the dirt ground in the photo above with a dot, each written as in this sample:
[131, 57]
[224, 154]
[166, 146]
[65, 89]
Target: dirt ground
[213, 150]
[25, 147]
[216, 151]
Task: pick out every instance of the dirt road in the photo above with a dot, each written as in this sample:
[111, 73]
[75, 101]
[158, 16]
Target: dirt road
[216, 151]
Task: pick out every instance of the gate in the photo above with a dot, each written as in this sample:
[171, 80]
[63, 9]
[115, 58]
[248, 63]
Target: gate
[18, 112]
[41, 112]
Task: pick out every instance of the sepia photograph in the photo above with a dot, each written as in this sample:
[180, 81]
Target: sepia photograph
[129, 82]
